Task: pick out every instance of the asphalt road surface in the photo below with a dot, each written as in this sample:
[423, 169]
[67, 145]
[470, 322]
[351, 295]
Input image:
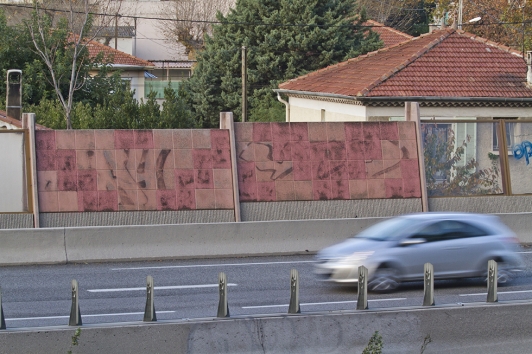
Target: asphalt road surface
[40, 296]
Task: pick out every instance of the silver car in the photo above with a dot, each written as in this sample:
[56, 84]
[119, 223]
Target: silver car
[459, 245]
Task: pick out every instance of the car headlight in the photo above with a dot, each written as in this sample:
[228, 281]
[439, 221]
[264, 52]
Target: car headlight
[357, 257]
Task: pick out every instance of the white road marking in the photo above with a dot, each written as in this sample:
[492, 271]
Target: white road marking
[525, 252]
[500, 292]
[212, 265]
[322, 303]
[96, 315]
[171, 287]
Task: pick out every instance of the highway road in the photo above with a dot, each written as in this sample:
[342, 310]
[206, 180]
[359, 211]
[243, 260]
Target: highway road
[40, 296]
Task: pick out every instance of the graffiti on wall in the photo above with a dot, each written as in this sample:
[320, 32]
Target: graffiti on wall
[524, 149]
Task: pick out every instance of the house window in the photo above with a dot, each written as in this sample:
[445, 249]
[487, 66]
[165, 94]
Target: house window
[510, 135]
[158, 79]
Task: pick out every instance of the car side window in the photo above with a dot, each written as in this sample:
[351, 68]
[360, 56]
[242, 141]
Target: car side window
[448, 230]
[431, 233]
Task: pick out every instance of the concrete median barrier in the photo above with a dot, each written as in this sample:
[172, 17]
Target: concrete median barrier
[32, 246]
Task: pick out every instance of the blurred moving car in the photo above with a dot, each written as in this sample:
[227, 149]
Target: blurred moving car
[459, 245]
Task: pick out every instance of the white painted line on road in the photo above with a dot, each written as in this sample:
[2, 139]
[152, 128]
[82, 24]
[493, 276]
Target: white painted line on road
[500, 292]
[322, 303]
[525, 252]
[172, 287]
[212, 265]
[96, 315]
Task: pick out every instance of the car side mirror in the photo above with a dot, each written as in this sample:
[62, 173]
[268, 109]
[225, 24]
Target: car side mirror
[412, 241]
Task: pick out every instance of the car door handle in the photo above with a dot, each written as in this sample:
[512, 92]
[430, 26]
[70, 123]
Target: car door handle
[454, 248]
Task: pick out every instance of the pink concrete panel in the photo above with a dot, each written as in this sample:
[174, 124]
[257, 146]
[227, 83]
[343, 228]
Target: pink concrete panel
[358, 189]
[205, 199]
[147, 180]
[410, 169]
[223, 178]
[166, 200]
[389, 131]
[282, 151]
[165, 179]
[302, 170]
[394, 187]
[262, 132]
[319, 151]
[220, 139]
[183, 158]
[184, 179]
[147, 199]
[67, 180]
[338, 170]
[284, 170]
[335, 131]
[87, 180]
[264, 171]
[48, 202]
[408, 149]
[105, 159]
[266, 191]
[85, 140]
[244, 132]
[375, 169]
[182, 139]
[201, 139]
[356, 169]
[300, 150]
[317, 132]
[373, 150]
[353, 131]
[340, 190]
[104, 139]
[68, 201]
[411, 188]
[390, 149]
[284, 190]
[322, 190]
[392, 168]
[126, 180]
[376, 188]
[85, 160]
[245, 151]
[46, 160]
[164, 159]
[303, 190]
[124, 139]
[407, 130]
[355, 150]
[143, 139]
[185, 199]
[281, 132]
[299, 131]
[321, 170]
[224, 198]
[45, 140]
[204, 179]
[336, 150]
[163, 139]
[202, 158]
[127, 199]
[144, 160]
[88, 201]
[221, 158]
[125, 160]
[107, 201]
[46, 181]
[65, 139]
[248, 192]
[371, 131]
[107, 180]
[263, 151]
[66, 160]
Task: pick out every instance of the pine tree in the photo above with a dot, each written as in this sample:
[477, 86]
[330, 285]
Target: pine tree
[285, 39]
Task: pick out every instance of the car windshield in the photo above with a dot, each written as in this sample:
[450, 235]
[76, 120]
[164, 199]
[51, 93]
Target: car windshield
[386, 230]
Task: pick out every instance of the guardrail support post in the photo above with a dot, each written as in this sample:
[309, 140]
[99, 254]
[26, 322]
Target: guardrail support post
[2, 318]
[223, 307]
[492, 281]
[75, 314]
[362, 303]
[149, 311]
[294, 292]
[428, 299]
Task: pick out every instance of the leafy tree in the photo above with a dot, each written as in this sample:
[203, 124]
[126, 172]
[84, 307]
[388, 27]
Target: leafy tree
[175, 114]
[285, 39]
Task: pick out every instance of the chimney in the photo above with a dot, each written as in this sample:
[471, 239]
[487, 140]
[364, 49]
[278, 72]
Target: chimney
[14, 94]
[529, 65]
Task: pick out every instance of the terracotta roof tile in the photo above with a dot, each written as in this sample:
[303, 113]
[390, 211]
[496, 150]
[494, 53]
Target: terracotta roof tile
[446, 63]
[4, 118]
[388, 35]
[118, 57]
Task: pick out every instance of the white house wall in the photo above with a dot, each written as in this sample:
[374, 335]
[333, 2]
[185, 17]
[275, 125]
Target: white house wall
[305, 110]
[136, 81]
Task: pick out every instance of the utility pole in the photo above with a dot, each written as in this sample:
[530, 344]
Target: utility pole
[244, 84]
[460, 8]
[116, 31]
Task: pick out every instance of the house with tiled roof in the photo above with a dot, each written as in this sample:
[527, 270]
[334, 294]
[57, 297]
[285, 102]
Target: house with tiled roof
[7, 122]
[388, 35]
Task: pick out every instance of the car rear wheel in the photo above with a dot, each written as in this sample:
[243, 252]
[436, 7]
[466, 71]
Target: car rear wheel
[505, 275]
[385, 279]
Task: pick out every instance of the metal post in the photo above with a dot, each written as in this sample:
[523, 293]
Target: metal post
[2, 318]
[149, 311]
[294, 292]
[428, 299]
[244, 85]
[223, 307]
[75, 314]
[362, 303]
[492, 281]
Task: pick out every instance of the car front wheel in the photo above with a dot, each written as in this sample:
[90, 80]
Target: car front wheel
[385, 279]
